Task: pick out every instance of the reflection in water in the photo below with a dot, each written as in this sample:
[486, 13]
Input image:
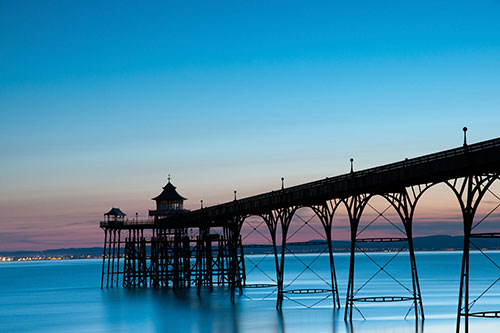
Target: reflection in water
[281, 322]
[349, 327]
[183, 311]
[361, 326]
[419, 326]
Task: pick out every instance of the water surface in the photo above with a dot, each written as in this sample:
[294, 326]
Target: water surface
[64, 296]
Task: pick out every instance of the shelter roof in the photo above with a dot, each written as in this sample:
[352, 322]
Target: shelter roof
[115, 212]
[169, 193]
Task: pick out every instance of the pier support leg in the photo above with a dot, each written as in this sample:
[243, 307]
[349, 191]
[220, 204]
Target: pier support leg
[207, 246]
[110, 243]
[355, 206]
[135, 266]
[104, 256]
[232, 234]
[417, 295]
[176, 256]
[154, 280]
[242, 265]
[469, 192]
[199, 264]
[350, 281]
[180, 272]
[126, 262]
[325, 214]
[405, 202]
[281, 217]
[113, 246]
[143, 263]
[118, 259]
[186, 246]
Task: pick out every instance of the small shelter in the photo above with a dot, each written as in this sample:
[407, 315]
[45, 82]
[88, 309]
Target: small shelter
[115, 215]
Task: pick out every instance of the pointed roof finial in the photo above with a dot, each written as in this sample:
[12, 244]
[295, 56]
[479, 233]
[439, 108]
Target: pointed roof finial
[282, 183]
[352, 167]
[201, 201]
[168, 178]
[234, 194]
[465, 136]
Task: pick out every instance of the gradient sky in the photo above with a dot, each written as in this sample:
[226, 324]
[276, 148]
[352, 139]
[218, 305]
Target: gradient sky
[100, 101]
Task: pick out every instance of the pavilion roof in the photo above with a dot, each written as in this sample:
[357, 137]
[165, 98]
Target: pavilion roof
[169, 193]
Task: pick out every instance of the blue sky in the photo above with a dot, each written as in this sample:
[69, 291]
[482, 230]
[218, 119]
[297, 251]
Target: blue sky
[99, 101]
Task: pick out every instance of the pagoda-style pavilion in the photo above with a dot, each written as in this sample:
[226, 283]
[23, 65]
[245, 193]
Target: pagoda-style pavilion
[169, 201]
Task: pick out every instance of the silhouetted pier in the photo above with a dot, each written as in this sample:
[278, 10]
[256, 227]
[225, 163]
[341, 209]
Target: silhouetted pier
[163, 251]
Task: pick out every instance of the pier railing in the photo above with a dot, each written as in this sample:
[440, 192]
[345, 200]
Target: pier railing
[436, 167]
[104, 224]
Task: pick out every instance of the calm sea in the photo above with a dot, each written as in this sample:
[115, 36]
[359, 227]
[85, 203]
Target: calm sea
[64, 296]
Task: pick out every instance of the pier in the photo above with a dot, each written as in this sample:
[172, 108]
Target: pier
[177, 248]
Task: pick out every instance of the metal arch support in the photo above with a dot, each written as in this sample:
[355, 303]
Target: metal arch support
[325, 213]
[405, 202]
[272, 219]
[283, 217]
[469, 193]
[355, 206]
[255, 265]
[232, 233]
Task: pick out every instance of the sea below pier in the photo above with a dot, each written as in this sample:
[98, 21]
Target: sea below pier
[64, 296]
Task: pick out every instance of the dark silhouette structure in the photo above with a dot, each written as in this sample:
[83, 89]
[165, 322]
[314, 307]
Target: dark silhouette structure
[170, 256]
[169, 201]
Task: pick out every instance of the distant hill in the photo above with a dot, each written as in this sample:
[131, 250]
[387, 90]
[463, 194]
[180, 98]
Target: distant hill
[429, 243]
[76, 253]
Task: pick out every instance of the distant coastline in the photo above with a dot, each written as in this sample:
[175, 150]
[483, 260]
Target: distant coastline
[428, 243]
